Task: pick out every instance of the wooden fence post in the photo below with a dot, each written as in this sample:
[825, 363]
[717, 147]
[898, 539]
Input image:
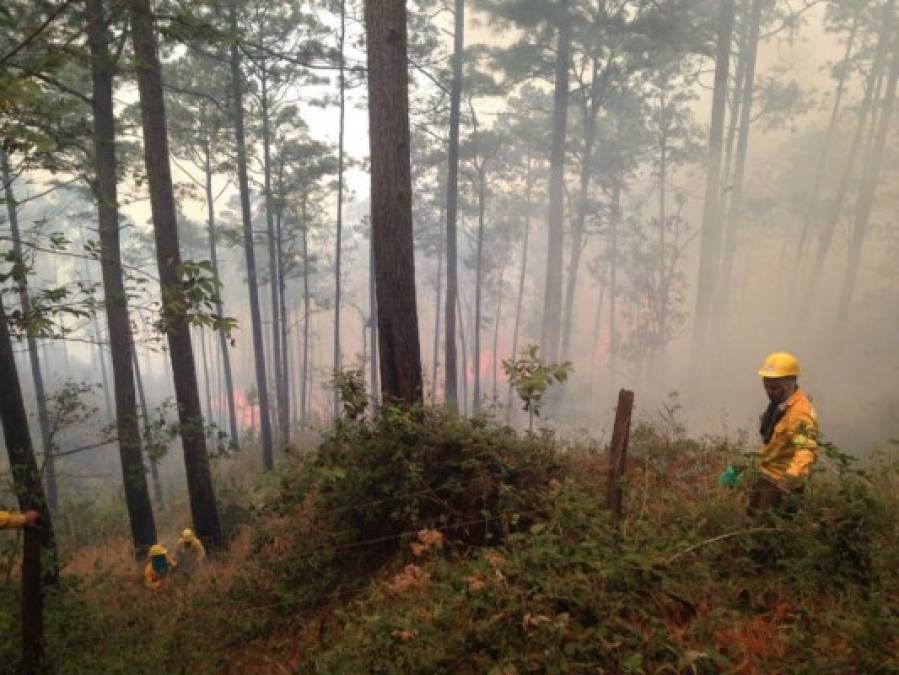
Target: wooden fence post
[618, 453]
[32, 604]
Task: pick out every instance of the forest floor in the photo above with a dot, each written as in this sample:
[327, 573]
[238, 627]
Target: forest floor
[422, 543]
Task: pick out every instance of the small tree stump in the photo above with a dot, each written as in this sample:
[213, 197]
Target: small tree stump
[618, 453]
[32, 604]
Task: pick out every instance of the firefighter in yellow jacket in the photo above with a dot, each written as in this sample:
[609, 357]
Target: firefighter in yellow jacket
[10, 520]
[789, 431]
[158, 568]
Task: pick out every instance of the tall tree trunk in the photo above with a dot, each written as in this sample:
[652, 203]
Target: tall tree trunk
[735, 211]
[836, 208]
[529, 184]
[339, 243]
[812, 207]
[101, 358]
[591, 108]
[663, 224]
[275, 352]
[219, 308]
[25, 473]
[285, 347]
[478, 290]
[268, 459]
[33, 355]
[307, 312]
[710, 242]
[496, 325]
[614, 222]
[391, 190]
[459, 312]
[134, 477]
[868, 191]
[204, 358]
[552, 307]
[373, 325]
[451, 395]
[144, 411]
[162, 202]
[438, 299]
[735, 108]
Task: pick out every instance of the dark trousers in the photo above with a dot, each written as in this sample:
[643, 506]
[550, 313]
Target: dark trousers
[766, 495]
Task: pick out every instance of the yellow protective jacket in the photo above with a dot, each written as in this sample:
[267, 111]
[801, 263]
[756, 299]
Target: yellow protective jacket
[10, 520]
[788, 457]
[190, 554]
[152, 579]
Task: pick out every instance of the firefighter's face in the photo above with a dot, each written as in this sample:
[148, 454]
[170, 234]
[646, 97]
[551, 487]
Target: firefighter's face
[778, 389]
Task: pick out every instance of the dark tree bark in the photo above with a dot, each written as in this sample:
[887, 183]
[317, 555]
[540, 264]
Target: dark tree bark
[33, 355]
[451, 394]
[339, 243]
[32, 605]
[710, 239]
[219, 308]
[552, 307]
[735, 210]
[391, 190]
[373, 326]
[134, 477]
[268, 459]
[162, 202]
[23, 465]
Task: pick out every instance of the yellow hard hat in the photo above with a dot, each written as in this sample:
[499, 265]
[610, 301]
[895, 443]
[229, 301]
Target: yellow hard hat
[157, 549]
[780, 364]
[187, 534]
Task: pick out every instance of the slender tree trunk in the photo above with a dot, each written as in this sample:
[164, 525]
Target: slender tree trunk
[268, 460]
[496, 325]
[204, 357]
[459, 312]
[338, 246]
[134, 477]
[836, 208]
[735, 108]
[101, 357]
[275, 352]
[552, 308]
[142, 399]
[735, 212]
[812, 206]
[710, 242]
[219, 308]
[614, 223]
[868, 191]
[285, 347]
[438, 298]
[304, 393]
[451, 395]
[31, 341]
[373, 326]
[597, 321]
[391, 190]
[22, 462]
[591, 109]
[663, 223]
[529, 184]
[478, 290]
[162, 201]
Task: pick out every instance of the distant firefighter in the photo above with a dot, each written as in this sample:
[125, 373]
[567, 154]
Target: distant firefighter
[158, 568]
[189, 553]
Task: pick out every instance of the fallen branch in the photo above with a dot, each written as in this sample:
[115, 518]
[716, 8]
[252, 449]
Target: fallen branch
[722, 537]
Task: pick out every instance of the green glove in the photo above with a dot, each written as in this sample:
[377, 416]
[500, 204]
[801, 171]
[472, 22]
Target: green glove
[730, 477]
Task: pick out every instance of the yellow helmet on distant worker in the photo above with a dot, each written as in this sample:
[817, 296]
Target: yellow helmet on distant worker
[157, 549]
[187, 534]
[780, 364]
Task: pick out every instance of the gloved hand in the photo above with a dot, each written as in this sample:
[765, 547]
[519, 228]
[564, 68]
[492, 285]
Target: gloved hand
[730, 477]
